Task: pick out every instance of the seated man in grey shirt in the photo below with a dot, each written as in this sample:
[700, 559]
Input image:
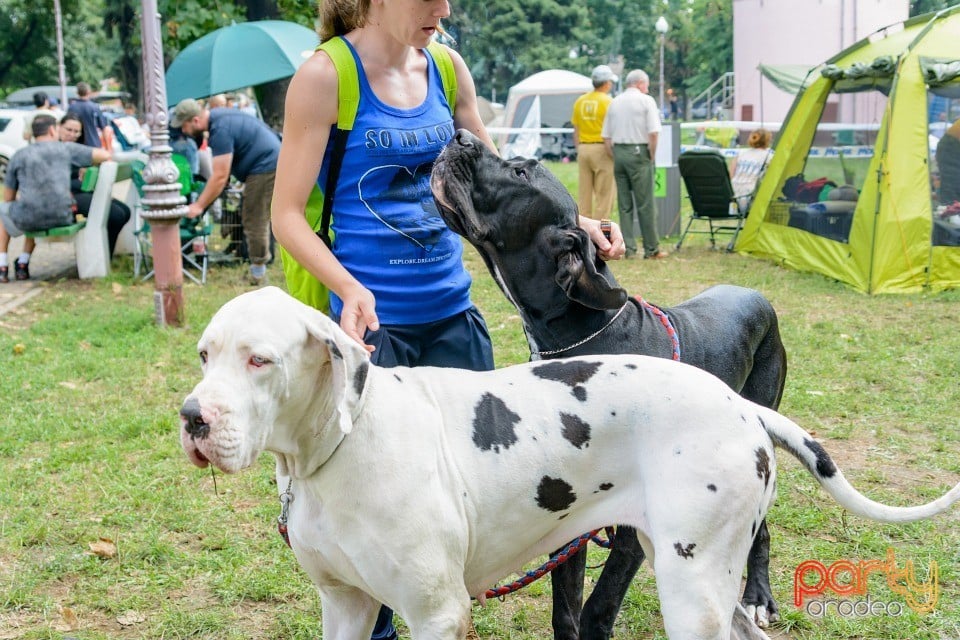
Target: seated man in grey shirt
[36, 189]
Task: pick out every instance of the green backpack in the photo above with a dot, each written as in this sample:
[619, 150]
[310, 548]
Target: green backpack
[300, 283]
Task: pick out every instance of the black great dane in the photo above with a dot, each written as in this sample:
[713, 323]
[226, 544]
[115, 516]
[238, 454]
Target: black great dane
[523, 222]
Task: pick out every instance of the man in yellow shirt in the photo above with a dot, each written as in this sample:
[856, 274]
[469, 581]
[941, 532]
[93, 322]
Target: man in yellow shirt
[595, 189]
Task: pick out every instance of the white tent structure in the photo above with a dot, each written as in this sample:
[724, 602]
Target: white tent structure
[553, 92]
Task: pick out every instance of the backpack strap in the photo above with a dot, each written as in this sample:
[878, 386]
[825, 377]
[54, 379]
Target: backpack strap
[348, 99]
[448, 75]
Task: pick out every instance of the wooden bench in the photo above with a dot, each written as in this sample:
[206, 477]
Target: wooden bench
[89, 236]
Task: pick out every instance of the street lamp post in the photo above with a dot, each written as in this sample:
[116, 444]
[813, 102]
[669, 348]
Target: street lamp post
[162, 201]
[662, 27]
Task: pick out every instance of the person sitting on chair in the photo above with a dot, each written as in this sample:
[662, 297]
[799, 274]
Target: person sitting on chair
[40, 175]
[748, 166]
[948, 160]
[71, 130]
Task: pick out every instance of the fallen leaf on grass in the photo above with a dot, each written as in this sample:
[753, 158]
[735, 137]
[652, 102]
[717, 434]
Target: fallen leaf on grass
[117, 288]
[103, 548]
[19, 349]
[68, 620]
[130, 618]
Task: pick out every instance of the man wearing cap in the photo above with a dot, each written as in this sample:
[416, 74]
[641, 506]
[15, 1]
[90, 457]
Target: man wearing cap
[595, 186]
[630, 133]
[246, 147]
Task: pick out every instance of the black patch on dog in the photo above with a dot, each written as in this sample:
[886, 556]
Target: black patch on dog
[763, 465]
[334, 349]
[684, 551]
[753, 529]
[493, 424]
[580, 393]
[712, 487]
[572, 373]
[398, 378]
[554, 494]
[825, 466]
[606, 486]
[631, 366]
[575, 430]
[360, 376]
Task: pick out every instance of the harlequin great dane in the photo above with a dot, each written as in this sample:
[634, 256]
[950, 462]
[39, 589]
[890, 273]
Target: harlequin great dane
[389, 469]
[523, 222]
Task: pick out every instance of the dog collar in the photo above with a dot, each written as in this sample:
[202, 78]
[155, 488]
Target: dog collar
[535, 355]
[665, 321]
[285, 499]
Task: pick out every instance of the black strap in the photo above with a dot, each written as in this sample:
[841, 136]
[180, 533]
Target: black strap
[333, 174]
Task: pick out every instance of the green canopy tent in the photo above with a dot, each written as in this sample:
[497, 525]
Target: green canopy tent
[867, 119]
[788, 77]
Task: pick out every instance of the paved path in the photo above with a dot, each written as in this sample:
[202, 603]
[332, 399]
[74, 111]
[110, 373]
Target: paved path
[50, 260]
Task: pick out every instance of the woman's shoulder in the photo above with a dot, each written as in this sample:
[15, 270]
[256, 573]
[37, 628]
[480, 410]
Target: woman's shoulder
[314, 87]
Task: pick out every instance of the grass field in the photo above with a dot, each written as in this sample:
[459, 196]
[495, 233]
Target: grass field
[107, 532]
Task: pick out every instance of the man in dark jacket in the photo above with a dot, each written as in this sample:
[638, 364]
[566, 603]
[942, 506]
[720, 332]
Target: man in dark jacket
[246, 147]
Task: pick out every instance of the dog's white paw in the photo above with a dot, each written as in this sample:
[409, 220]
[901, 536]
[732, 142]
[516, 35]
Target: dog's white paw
[758, 615]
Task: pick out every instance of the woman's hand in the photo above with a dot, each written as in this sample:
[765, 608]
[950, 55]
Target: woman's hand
[608, 249]
[358, 314]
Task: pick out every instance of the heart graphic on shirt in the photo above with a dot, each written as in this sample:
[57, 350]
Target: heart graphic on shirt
[402, 200]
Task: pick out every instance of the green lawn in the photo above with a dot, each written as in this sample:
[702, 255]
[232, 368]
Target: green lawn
[107, 532]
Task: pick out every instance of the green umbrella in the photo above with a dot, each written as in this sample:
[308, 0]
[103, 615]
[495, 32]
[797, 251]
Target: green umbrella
[238, 56]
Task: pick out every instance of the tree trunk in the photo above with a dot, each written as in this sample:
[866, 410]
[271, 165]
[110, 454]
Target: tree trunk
[271, 96]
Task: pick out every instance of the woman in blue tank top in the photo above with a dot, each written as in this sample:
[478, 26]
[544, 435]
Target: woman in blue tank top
[397, 281]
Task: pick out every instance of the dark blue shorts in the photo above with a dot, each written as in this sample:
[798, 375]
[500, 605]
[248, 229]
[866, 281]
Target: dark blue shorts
[460, 341]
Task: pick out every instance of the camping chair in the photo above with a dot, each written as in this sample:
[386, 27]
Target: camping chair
[194, 232]
[707, 180]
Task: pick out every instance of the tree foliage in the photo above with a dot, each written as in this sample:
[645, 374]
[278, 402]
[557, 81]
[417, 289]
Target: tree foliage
[503, 41]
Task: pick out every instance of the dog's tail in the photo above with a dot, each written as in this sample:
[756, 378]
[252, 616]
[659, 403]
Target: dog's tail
[787, 435]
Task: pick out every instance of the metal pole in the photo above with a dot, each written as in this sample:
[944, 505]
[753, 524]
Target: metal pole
[61, 68]
[163, 203]
[662, 38]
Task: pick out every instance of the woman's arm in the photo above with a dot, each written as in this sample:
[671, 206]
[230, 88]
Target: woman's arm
[310, 112]
[467, 113]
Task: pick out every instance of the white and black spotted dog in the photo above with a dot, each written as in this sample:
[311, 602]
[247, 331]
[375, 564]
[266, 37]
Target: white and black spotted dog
[390, 469]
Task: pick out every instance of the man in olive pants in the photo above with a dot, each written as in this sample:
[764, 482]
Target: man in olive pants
[630, 132]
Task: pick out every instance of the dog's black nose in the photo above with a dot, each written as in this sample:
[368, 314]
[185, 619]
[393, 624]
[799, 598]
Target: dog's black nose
[195, 426]
[464, 138]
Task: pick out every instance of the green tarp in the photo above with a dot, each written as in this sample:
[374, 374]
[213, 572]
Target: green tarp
[788, 77]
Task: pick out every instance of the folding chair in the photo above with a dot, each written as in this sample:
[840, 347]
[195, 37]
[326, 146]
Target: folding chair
[707, 180]
[194, 232]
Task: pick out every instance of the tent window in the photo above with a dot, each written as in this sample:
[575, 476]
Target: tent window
[822, 196]
[943, 115]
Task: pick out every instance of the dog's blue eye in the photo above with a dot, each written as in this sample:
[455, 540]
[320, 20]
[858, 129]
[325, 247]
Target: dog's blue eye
[258, 361]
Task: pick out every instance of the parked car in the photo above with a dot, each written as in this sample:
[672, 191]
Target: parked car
[11, 136]
[108, 100]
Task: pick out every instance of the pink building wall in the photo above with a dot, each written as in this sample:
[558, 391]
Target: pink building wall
[803, 32]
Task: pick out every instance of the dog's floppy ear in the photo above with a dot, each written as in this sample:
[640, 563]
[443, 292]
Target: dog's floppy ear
[577, 272]
[349, 363]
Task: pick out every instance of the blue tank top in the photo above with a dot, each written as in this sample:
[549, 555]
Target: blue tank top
[388, 232]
